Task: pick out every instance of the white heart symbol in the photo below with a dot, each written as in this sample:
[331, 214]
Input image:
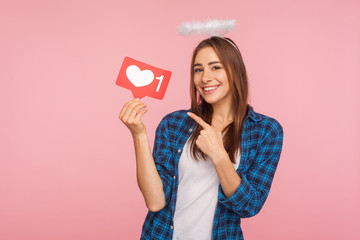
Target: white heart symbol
[139, 78]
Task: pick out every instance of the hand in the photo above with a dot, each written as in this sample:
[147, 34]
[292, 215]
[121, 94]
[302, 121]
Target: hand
[210, 140]
[131, 115]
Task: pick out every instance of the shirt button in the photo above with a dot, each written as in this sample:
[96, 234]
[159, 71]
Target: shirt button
[179, 150]
[190, 130]
[172, 227]
[174, 177]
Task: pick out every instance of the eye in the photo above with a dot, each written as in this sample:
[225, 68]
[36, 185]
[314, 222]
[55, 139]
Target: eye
[216, 67]
[196, 70]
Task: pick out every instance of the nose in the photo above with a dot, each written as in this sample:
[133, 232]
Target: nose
[207, 75]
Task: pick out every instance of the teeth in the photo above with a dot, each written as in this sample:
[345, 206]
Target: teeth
[209, 88]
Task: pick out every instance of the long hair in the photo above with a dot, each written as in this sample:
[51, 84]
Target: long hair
[232, 61]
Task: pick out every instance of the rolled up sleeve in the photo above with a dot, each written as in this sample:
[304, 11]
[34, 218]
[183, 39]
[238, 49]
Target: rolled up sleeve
[162, 155]
[250, 196]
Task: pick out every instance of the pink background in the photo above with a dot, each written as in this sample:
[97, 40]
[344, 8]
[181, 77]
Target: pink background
[67, 167]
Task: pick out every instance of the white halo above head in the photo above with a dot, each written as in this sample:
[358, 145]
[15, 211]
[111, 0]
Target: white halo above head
[212, 27]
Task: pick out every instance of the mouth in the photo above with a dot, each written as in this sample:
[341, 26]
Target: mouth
[210, 89]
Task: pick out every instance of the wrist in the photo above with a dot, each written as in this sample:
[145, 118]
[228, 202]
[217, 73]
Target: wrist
[138, 135]
[219, 156]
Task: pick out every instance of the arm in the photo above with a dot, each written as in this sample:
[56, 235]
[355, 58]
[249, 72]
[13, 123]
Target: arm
[244, 194]
[229, 179]
[148, 179]
[210, 142]
[250, 196]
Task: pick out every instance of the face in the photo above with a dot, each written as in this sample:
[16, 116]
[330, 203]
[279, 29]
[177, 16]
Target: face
[210, 77]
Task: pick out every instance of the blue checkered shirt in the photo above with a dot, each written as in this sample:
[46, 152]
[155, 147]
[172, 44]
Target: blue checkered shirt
[261, 146]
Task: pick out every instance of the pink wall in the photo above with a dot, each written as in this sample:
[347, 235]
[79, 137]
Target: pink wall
[67, 167]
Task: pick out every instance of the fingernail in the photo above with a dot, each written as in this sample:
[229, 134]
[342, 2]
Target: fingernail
[189, 113]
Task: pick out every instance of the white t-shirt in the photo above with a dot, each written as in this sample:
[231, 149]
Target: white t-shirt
[197, 197]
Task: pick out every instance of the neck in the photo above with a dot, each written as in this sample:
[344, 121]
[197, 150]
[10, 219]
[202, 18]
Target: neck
[223, 113]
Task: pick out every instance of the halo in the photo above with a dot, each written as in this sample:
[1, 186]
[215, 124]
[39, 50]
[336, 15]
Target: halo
[212, 27]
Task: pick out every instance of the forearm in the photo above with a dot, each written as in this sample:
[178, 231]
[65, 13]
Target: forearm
[229, 179]
[148, 178]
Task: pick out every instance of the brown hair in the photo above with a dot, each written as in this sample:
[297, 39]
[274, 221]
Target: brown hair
[232, 61]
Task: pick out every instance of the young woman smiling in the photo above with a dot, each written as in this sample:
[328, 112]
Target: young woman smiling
[212, 164]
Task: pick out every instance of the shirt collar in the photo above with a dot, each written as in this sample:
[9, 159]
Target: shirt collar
[253, 115]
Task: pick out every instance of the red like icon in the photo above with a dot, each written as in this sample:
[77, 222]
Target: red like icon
[143, 79]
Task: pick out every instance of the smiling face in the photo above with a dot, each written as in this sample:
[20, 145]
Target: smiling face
[210, 77]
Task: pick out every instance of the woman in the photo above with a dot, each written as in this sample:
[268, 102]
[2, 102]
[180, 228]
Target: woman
[212, 166]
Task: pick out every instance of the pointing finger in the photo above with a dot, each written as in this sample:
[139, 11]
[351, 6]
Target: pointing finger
[198, 120]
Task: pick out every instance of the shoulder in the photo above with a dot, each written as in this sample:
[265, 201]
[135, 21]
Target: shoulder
[177, 115]
[176, 119]
[175, 126]
[265, 125]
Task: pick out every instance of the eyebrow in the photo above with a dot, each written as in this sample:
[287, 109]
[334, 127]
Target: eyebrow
[210, 63]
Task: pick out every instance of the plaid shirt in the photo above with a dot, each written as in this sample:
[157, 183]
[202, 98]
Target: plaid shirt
[261, 146]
